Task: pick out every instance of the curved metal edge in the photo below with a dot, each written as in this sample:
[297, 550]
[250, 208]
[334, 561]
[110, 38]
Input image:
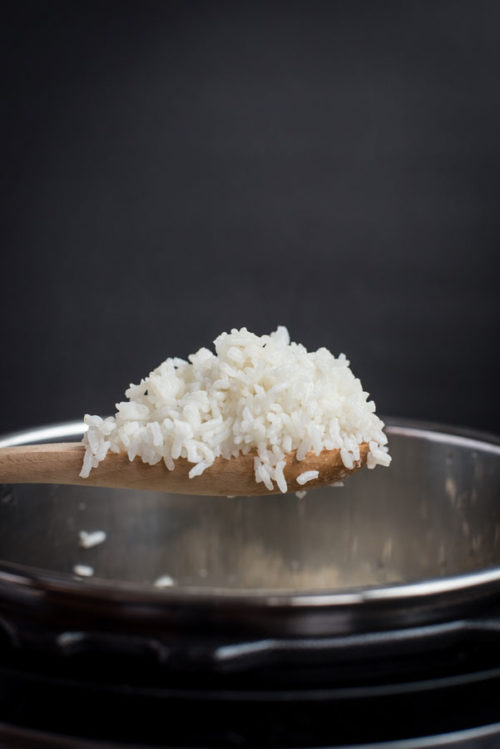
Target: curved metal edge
[30, 581]
[435, 432]
[48, 433]
[466, 738]
[18, 736]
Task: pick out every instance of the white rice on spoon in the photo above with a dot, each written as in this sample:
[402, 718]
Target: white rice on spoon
[256, 393]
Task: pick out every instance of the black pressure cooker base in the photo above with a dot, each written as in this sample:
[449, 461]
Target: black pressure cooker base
[86, 690]
[156, 717]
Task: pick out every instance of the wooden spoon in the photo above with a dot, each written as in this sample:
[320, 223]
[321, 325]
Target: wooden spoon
[61, 464]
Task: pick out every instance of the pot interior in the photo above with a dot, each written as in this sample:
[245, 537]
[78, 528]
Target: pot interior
[435, 512]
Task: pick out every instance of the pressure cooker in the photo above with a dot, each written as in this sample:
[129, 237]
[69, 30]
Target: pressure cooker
[360, 615]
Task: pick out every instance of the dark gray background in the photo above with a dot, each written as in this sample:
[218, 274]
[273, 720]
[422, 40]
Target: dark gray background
[173, 169]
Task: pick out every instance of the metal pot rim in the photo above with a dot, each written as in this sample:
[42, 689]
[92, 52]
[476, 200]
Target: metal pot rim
[24, 582]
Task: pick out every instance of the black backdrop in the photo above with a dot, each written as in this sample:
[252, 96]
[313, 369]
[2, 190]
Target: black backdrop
[174, 169]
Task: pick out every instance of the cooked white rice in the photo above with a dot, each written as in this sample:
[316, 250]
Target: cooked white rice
[92, 538]
[261, 394]
[165, 581]
[306, 476]
[83, 570]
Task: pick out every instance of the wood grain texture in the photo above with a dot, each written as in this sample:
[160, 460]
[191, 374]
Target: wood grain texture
[61, 464]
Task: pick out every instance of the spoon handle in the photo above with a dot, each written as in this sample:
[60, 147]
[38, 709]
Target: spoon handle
[54, 463]
[61, 463]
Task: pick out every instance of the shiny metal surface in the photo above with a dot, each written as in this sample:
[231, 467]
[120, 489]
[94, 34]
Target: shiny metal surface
[428, 526]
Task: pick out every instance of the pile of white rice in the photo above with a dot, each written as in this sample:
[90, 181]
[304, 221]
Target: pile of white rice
[256, 393]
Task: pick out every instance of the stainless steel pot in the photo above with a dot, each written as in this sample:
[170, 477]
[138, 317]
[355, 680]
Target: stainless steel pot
[414, 544]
